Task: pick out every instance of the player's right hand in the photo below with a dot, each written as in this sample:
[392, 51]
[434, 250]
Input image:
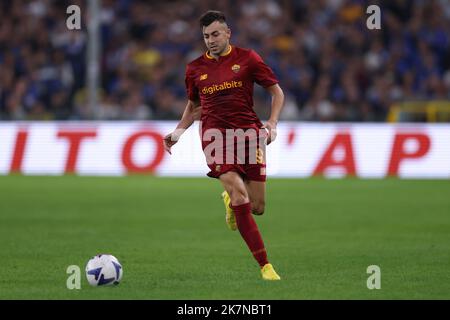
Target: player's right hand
[271, 128]
[169, 141]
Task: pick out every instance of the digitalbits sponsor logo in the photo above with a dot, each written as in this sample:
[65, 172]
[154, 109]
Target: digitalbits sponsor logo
[219, 87]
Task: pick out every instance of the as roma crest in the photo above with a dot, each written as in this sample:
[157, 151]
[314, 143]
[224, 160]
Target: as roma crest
[236, 68]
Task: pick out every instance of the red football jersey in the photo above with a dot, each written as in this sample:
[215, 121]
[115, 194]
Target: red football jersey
[225, 87]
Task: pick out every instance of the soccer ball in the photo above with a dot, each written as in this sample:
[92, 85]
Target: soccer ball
[103, 269]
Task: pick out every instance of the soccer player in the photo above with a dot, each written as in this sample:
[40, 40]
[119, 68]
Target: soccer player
[219, 86]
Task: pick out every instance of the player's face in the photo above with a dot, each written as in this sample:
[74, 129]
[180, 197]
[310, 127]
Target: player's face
[217, 37]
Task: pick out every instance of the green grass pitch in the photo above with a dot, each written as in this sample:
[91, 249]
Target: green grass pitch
[171, 238]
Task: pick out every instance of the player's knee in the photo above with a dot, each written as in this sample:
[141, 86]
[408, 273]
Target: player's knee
[258, 207]
[238, 197]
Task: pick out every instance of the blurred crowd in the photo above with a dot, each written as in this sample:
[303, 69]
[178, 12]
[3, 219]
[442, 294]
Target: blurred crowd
[330, 65]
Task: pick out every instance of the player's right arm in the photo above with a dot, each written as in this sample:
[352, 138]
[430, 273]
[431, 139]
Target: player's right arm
[190, 114]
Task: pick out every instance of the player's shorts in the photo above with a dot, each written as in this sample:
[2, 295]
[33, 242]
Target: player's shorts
[248, 158]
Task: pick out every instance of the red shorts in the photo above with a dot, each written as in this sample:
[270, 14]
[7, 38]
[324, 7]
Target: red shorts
[247, 158]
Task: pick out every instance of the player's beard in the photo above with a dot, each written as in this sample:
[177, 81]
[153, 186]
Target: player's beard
[218, 50]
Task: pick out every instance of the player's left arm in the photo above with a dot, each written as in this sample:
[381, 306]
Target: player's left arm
[277, 104]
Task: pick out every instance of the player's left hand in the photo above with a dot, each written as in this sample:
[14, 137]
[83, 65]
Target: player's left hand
[271, 127]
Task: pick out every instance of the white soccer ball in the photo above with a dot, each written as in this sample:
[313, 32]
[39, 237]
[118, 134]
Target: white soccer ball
[103, 269]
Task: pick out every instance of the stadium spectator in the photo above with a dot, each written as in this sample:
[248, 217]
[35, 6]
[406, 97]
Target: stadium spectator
[331, 66]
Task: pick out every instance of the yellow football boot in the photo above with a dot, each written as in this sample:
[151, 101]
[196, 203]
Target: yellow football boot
[230, 217]
[268, 272]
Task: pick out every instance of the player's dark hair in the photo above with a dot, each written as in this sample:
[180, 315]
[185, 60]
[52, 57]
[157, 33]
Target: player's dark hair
[210, 16]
